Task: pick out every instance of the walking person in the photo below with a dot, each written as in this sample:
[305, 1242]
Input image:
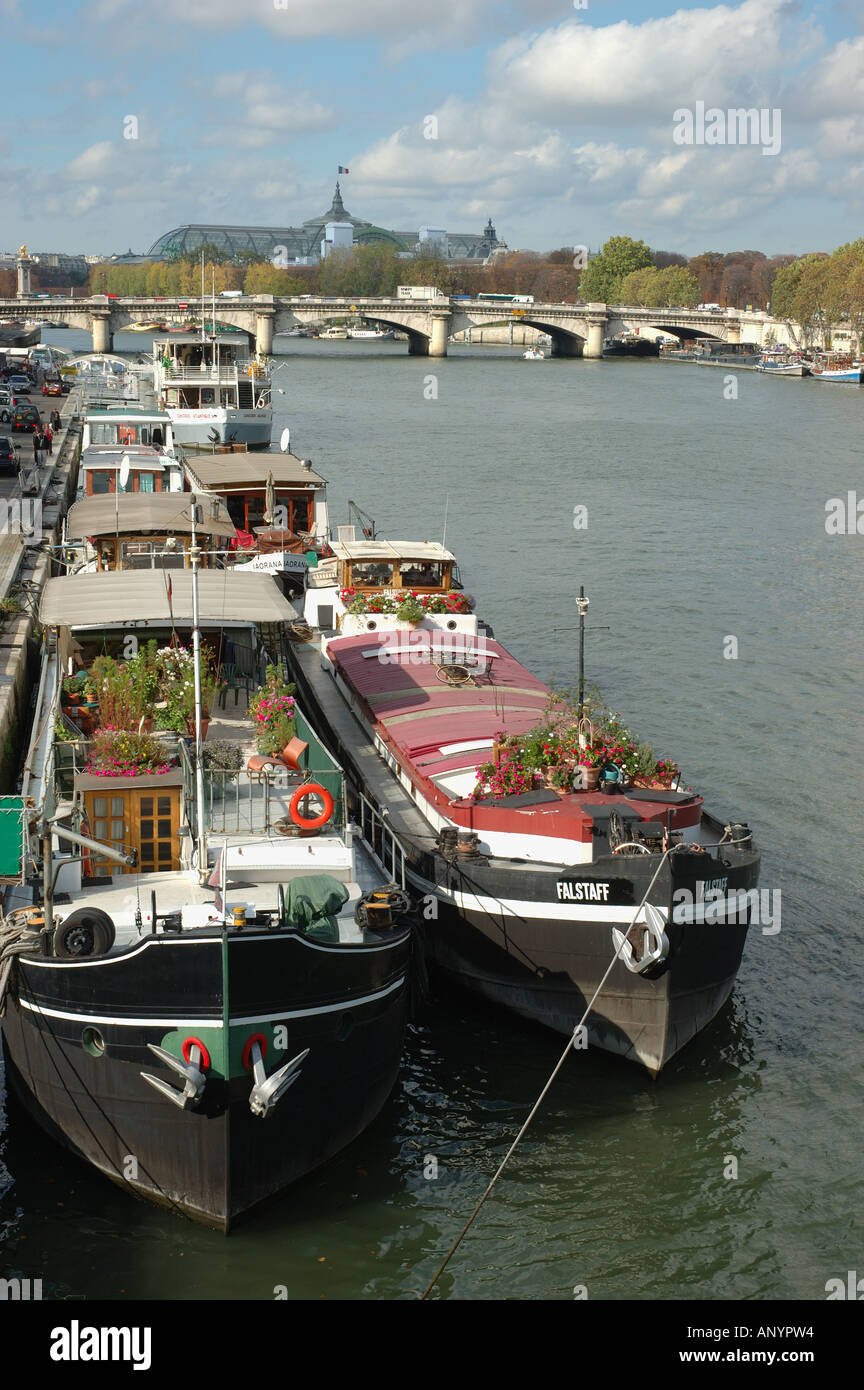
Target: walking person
[38, 447]
[49, 440]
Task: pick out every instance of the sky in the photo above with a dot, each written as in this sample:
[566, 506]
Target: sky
[559, 119]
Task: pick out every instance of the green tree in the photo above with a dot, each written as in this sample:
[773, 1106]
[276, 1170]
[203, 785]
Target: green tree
[604, 275]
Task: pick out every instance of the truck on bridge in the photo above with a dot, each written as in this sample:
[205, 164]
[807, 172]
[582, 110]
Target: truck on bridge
[419, 292]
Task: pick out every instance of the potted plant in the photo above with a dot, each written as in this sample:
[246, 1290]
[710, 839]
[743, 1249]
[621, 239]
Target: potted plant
[222, 760]
[410, 610]
[125, 753]
[272, 712]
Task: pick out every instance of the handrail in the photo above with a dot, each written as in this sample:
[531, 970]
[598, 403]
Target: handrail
[372, 821]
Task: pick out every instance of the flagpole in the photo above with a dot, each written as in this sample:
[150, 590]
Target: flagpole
[194, 557]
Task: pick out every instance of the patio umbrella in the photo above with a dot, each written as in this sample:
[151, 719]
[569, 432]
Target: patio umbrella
[269, 501]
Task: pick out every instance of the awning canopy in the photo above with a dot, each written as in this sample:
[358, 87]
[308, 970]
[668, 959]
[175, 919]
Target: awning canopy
[390, 550]
[240, 472]
[118, 598]
[165, 513]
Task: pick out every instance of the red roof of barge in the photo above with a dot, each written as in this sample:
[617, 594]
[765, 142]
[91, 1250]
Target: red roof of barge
[420, 712]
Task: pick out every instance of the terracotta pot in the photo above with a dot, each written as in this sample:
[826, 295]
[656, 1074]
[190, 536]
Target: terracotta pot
[205, 725]
[592, 778]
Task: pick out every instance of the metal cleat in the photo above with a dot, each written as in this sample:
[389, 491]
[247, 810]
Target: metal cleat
[655, 942]
[194, 1078]
[267, 1091]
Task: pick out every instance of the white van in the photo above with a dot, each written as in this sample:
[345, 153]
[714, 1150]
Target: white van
[231, 294]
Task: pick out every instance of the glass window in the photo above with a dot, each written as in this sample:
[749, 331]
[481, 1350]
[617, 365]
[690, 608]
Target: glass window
[371, 574]
[100, 481]
[118, 807]
[100, 806]
[146, 482]
[425, 574]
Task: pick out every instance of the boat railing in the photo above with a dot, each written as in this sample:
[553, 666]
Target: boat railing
[381, 840]
[224, 374]
[253, 803]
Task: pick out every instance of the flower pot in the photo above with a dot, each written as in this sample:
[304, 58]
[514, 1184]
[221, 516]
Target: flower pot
[592, 778]
[205, 725]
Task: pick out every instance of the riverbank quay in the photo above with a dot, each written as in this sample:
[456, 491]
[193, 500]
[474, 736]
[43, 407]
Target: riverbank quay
[32, 506]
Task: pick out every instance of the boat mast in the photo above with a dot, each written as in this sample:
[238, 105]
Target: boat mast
[194, 557]
[582, 604]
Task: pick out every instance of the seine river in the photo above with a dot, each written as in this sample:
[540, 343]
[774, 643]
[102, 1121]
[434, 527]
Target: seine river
[706, 521]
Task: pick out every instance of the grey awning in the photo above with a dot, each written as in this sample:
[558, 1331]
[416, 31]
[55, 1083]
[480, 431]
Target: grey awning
[238, 472]
[166, 513]
[127, 597]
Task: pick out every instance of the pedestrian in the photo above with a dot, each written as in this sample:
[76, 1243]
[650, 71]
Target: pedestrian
[37, 443]
[49, 440]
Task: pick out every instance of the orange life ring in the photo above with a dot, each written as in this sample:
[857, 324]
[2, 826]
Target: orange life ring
[311, 823]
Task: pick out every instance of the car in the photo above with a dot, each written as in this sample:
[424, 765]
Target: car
[25, 419]
[20, 385]
[52, 388]
[7, 455]
[7, 401]
[65, 385]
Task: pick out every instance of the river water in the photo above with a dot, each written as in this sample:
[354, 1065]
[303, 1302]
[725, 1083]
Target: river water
[706, 520]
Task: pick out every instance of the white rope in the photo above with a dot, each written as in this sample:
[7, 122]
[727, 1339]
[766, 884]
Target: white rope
[542, 1096]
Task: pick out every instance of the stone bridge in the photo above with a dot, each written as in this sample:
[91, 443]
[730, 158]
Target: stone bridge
[575, 330]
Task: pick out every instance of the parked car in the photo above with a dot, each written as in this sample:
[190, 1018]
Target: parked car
[25, 419]
[52, 388]
[7, 455]
[65, 385]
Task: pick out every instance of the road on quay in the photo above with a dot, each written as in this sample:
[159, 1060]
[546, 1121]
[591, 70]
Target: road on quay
[23, 443]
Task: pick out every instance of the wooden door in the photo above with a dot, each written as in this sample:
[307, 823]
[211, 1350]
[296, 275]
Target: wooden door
[146, 820]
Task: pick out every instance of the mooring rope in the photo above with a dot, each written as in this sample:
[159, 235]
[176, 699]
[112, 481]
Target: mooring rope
[542, 1096]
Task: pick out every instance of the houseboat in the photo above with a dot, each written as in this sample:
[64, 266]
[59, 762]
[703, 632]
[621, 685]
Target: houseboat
[154, 530]
[212, 390]
[209, 990]
[278, 504]
[521, 821]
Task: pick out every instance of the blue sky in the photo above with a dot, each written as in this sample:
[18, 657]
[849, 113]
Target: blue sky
[555, 121]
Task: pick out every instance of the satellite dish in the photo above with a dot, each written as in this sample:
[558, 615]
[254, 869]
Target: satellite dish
[285, 440]
[125, 466]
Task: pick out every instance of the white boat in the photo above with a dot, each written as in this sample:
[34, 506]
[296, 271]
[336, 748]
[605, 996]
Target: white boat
[781, 366]
[334, 331]
[534, 354]
[853, 373]
[378, 333]
[211, 389]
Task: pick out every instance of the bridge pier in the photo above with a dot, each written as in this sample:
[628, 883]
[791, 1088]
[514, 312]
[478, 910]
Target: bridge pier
[265, 320]
[594, 342]
[440, 331]
[103, 338]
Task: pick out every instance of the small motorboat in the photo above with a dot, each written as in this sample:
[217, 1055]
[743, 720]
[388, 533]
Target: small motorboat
[534, 354]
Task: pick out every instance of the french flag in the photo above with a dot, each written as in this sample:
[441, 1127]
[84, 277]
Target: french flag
[344, 171]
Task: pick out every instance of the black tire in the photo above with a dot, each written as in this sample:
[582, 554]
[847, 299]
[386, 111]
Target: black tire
[86, 932]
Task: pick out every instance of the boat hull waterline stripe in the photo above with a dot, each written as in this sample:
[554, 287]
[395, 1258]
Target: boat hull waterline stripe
[213, 1022]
